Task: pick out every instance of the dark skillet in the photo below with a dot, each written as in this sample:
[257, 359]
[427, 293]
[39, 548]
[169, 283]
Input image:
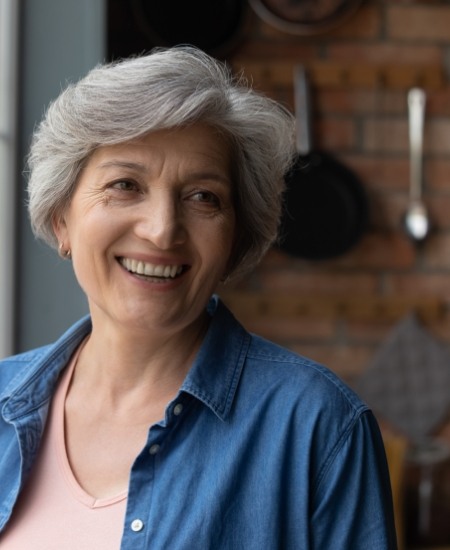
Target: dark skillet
[215, 27]
[325, 206]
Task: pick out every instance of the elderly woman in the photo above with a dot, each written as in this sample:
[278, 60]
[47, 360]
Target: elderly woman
[158, 421]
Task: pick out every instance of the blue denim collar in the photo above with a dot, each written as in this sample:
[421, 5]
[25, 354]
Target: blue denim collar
[215, 373]
[213, 378]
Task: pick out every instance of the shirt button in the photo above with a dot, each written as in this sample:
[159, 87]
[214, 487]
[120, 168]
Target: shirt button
[137, 525]
[154, 449]
[178, 409]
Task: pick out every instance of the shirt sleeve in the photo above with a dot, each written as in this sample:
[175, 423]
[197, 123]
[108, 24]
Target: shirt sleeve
[352, 504]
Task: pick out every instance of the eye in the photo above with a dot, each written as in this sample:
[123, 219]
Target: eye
[205, 197]
[125, 185]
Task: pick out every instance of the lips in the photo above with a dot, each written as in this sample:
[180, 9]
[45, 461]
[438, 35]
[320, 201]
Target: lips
[146, 269]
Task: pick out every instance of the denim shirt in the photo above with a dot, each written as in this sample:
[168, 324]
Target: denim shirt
[261, 449]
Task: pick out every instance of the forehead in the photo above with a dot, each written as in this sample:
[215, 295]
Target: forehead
[195, 145]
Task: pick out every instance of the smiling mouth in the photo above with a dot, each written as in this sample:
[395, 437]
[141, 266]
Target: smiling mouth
[145, 269]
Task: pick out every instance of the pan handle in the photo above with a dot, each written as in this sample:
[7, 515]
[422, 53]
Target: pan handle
[302, 102]
[416, 110]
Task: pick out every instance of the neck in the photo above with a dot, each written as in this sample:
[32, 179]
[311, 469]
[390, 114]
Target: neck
[123, 364]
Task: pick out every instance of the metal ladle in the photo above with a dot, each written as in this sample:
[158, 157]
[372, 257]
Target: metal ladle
[417, 223]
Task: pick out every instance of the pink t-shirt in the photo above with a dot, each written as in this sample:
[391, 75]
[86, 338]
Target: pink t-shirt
[53, 511]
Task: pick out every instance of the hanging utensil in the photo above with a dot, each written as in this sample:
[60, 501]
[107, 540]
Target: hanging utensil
[417, 223]
[427, 465]
[304, 17]
[326, 207]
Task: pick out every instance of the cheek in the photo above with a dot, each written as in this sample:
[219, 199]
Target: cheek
[90, 245]
[94, 229]
[221, 243]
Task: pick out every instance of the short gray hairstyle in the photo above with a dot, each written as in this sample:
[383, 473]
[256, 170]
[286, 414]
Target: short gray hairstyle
[167, 88]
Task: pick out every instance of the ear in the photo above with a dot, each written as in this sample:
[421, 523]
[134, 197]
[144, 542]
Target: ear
[60, 228]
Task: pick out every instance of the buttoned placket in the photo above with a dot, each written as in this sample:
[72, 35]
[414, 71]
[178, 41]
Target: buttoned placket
[137, 533]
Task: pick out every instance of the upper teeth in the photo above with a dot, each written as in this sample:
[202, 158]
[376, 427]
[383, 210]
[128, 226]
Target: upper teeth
[151, 270]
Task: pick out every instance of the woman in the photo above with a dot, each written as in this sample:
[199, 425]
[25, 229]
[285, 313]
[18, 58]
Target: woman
[158, 421]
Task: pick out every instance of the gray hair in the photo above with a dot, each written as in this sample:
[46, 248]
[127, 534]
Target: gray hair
[168, 88]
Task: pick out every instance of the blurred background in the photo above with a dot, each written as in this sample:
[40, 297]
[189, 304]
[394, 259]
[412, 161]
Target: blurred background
[366, 298]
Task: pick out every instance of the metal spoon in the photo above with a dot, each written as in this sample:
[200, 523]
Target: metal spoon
[417, 223]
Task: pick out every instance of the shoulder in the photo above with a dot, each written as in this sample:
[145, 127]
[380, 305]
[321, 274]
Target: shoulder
[13, 366]
[299, 396]
[310, 412]
[17, 369]
[299, 375]
[24, 358]
[278, 377]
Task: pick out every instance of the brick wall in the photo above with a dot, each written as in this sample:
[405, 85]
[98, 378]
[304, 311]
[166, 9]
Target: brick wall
[365, 125]
[340, 311]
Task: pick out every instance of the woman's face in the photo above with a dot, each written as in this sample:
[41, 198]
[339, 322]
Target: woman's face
[151, 226]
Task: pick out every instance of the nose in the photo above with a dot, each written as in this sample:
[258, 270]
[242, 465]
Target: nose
[160, 222]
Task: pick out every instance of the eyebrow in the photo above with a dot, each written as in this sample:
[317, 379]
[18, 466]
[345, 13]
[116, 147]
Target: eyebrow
[122, 164]
[137, 166]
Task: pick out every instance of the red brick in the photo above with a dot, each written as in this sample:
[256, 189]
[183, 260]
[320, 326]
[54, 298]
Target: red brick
[437, 136]
[360, 101]
[371, 332]
[385, 52]
[437, 174]
[382, 250]
[378, 172]
[436, 251]
[388, 211]
[438, 101]
[391, 136]
[284, 330]
[420, 284]
[367, 129]
[366, 23]
[318, 279]
[439, 209]
[431, 22]
[271, 52]
[335, 134]
[387, 135]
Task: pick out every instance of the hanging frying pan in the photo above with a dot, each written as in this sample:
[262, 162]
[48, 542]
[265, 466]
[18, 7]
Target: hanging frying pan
[215, 27]
[304, 17]
[325, 206]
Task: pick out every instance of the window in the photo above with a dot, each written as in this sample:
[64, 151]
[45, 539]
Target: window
[9, 23]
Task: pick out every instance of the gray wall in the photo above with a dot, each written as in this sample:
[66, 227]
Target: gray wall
[61, 40]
